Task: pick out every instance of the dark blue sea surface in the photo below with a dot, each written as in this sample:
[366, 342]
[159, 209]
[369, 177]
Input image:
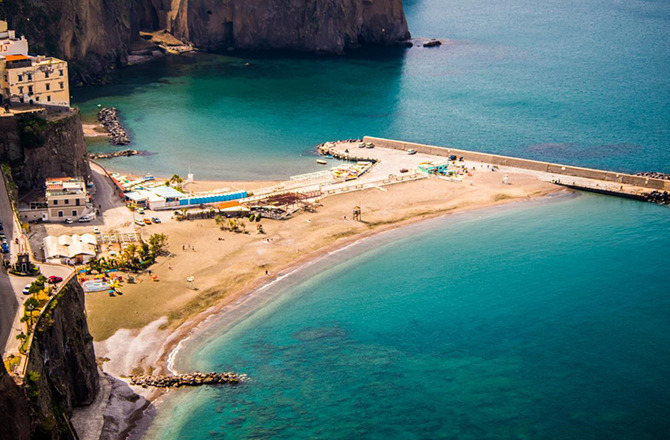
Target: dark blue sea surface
[585, 83]
[546, 320]
[542, 321]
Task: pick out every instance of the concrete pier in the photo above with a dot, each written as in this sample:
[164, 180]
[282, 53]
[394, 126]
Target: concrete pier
[605, 182]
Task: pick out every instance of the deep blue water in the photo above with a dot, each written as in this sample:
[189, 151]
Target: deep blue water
[576, 82]
[542, 321]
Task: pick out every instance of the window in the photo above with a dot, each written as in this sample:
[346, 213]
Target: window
[46, 74]
[48, 86]
[48, 98]
[21, 90]
[77, 202]
[37, 98]
[74, 212]
[62, 85]
[61, 72]
[67, 201]
[30, 90]
[60, 213]
[30, 77]
[20, 77]
[55, 202]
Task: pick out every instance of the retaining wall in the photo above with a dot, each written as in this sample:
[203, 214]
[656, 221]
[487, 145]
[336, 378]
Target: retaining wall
[607, 176]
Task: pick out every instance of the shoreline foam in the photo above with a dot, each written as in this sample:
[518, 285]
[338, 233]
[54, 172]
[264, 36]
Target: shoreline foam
[200, 323]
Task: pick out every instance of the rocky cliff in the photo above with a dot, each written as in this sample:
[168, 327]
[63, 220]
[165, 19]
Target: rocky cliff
[37, 146]
[14, 416]
[96, 35]
[301, 25]
[61, 375]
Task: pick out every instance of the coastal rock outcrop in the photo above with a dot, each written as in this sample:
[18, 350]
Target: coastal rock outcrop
[39, 145]
[109, 118]
[61, 374]
[97, 35]
[330, 26]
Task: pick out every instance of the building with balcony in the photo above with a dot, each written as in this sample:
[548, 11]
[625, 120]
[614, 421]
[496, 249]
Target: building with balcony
[66, 197]
[26, 79]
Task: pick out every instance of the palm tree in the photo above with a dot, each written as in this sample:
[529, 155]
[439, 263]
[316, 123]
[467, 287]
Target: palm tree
[220, 221]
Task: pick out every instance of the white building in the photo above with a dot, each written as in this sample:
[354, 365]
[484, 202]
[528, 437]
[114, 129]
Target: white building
[9, 44]
[66, 198]
[70, 249]
[26, 79]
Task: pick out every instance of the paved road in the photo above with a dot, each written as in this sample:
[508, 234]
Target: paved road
[11, 287]
[8, 302]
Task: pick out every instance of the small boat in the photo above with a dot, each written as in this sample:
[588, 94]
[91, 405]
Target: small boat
[321, 162]
[369, 145]
[411, 151]
[328, 156]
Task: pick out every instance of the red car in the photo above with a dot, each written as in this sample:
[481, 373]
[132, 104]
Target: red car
[53, 279]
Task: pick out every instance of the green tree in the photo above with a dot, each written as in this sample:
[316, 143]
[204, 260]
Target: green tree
[158, 243]
[30, 306]
[220, 221]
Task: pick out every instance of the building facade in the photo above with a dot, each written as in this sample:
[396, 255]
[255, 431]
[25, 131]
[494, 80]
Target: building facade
[9, 44]
[66, 198]
[30, 79]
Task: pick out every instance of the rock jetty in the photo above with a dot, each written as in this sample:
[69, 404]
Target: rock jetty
[191, 379]
[109, 118]
[660, 197]
[432, 43]
[122, 153]
[654, 175]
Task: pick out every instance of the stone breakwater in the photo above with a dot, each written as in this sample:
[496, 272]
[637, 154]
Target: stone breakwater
[109, 118]
[191, 379]
[654, 175]
[122, 153]
[660, 197]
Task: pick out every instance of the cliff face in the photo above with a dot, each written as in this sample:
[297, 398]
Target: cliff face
[37, 147]
[96, 35]
[93, 35]
[61, 374]
[14, 415]
[302, 25]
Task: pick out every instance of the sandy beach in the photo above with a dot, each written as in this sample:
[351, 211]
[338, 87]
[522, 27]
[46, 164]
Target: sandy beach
[94, 130]
[227, 265]
[138, 330]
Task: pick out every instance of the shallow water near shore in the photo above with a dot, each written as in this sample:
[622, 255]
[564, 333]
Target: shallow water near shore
[544, 321]
[567, 81]
[548, 320]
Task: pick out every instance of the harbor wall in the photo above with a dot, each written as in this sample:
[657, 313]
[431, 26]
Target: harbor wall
[567, 170]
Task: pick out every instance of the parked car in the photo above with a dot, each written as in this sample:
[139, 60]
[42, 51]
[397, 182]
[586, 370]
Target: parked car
[140, 211]
[53, 279]
[404, 170]
[139, 222]
[5, 248]
[155, 220]
[84, 219]
[96, 230]
[68, 221]
[26, 290]
[146, 221]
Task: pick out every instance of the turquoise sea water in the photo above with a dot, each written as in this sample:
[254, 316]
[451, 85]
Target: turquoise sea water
[543, 321]
[540, 321]
[578, 82]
